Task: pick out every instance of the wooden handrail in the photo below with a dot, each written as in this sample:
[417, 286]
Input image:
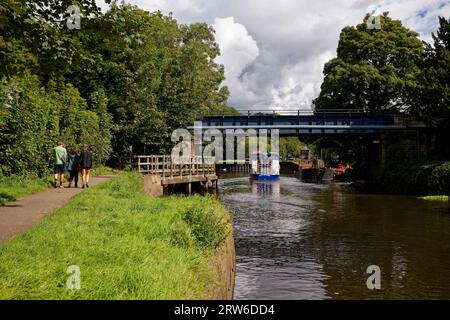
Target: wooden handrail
[169, 167]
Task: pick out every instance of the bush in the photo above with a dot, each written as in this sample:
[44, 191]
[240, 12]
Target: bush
[429, 178]
[32, 119]
[440, 179]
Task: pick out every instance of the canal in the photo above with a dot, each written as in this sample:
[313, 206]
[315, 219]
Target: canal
[310, 241]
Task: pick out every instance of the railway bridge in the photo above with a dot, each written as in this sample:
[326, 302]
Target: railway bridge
[337, 122]
[309, 123]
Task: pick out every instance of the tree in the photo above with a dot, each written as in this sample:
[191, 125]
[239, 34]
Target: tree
[192, 85]
[290, 148]
[56, 11]
[374, 69]
[158, 75]
[431, 99]
[102, 147]
[123, 82]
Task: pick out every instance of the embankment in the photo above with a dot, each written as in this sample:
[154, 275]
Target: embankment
[125, 245]
[224, 263]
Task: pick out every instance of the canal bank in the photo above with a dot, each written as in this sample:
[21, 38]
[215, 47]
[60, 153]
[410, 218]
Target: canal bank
[125, 245]
[224, 265]
[311, 241]
[413, 178]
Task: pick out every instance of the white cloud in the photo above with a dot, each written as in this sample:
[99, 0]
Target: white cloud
[420, 16]
[238, 51]
[274, 51]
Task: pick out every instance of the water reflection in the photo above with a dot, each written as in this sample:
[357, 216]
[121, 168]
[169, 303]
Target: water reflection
[266, 188]
[307, 241]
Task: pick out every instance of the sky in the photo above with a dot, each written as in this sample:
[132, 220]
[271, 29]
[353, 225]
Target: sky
[274, 51]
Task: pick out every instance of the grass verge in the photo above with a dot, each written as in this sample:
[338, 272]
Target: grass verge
[16, 187]
[436, 198]
[126, 245]
[103, 171]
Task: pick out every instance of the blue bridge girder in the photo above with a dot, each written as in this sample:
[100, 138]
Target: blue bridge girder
[324, 122]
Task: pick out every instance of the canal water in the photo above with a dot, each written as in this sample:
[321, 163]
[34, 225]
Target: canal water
[310, 241]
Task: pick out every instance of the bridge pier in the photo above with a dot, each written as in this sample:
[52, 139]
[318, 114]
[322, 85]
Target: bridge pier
[189, 188]
[389, 147]
[376, 155]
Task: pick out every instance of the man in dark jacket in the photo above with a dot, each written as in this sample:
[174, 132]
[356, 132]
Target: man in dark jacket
[86, 165]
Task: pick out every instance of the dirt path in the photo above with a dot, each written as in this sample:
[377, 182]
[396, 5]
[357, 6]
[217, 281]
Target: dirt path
[17, 217]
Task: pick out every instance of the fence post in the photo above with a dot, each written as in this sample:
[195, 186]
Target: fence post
[190, 166]
[163, 167]
[203, 166]
[152, 166]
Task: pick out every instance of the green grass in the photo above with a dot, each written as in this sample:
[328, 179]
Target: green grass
[436, 198]
[103, 171]
[126, 244]
[16, 187]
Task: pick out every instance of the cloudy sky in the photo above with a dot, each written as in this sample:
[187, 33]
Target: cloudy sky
[274, 51]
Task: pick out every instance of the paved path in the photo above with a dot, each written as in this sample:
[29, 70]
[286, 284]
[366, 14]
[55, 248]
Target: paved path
[17, 217]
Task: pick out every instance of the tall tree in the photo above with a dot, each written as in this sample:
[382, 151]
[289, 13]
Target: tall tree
[431, 99]
[374, 68]
[158, 75]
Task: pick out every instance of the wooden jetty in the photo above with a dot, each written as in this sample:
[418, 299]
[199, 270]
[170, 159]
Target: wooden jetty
[162, 173]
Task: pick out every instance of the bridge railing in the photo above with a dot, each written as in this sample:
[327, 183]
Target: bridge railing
[319, 112]
[172, 167]
[302, 112]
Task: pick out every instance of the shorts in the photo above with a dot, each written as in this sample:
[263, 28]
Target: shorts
[86, 168]
[59, 169]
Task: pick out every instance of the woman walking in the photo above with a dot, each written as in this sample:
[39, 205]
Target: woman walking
[86, 165]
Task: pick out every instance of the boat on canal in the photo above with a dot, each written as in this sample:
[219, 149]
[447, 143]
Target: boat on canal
[339, 170]
[315, 170]
[312, 170]
[265, 166]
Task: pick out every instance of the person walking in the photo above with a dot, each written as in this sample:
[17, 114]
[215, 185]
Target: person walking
[86, 165]
[74, 167]
[60, 159]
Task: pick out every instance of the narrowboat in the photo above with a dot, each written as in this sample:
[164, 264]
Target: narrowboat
[339, 170]
[310, 170]
[265, 166]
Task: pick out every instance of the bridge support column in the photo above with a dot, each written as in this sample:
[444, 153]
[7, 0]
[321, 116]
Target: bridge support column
[376, 155]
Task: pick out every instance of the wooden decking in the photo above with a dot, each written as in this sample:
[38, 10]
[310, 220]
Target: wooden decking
[172, 171]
